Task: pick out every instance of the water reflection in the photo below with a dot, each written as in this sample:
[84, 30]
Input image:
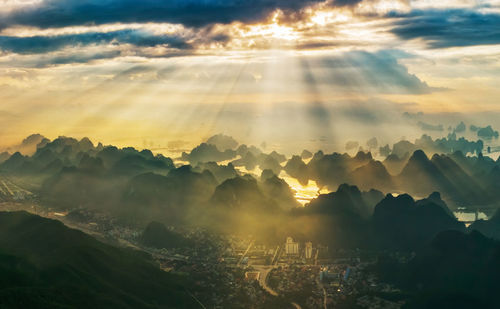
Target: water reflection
[468, 216]
[303, 194]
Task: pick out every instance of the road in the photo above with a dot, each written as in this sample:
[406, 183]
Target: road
[324, 292]
[246, 251]
[264, 273]
[9, 189]
[276, 256]
[297, 306]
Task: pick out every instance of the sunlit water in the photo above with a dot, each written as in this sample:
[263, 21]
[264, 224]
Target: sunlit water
[306, 193]
[469, 216]
[303, 194]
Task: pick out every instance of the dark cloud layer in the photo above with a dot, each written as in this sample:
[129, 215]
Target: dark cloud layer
[85, 58]
[449, 28]
[380, 70]
[60, 13]
[43, 44]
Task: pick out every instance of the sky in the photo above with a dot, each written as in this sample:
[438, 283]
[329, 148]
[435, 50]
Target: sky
[163, 74]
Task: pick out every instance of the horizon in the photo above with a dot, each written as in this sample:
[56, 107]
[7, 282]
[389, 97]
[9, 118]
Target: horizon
[196, 158]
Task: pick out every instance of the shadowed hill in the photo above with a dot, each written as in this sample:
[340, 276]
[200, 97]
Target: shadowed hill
[242, 194]
[456, 270]
[279, 191]
[168, 198]
[158, 236]
[453, 270]
[16, 163]
[4, 156]
[490, 228]
[220, 172]
[296, 168]
[372, 175]
[87, 185]
[401, 223]
[339, 219]
[347, 199]
[207, 153]
[248, 160]
[29, 145]
[329, 170]
[421, 176]
[136, 164]
[222, 142]
[395, 164]
[465, 188]
[44, 264]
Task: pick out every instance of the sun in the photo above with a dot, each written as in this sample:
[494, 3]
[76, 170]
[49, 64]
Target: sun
[274, 31]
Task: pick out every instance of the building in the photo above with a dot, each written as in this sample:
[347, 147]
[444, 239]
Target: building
[325, 275]
[309, 250]
[252, 275]
[347, 273]
[291, 247]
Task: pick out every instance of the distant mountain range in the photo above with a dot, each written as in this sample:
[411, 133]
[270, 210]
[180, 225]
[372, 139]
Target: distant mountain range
[463, 181]
[139, 187]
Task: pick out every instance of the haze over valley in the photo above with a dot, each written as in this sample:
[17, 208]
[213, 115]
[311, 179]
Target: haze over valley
[249, 154]
[349, 207]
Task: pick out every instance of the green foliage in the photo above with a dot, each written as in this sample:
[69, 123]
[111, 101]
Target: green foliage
[44, 264]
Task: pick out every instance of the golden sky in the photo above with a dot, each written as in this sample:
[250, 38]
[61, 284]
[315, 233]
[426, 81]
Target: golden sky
[129, 72]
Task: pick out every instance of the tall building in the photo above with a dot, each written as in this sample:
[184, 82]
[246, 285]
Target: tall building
[309, 250]
[291, 247]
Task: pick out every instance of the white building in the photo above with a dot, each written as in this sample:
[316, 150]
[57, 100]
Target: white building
[309, 250]
[291, 247]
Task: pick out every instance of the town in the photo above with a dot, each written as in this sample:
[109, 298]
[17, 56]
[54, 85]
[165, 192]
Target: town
[239, 270]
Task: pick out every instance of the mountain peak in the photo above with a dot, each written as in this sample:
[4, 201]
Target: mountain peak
[419, 155]
[361, 155]
[348, 189]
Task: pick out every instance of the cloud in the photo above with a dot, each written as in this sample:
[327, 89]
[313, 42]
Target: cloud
[45, 44]
[80, 58]
[378, 72]
[61, 13]
[355, 71]
[448, 28]
[39, 61]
